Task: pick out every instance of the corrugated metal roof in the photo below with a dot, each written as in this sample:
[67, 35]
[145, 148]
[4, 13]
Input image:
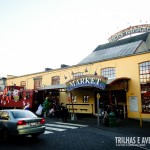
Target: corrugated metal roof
[131, 39]
[117, 49]
[113, 52]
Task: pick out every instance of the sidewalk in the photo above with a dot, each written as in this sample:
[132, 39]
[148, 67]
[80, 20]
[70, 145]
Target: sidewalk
[128, 127]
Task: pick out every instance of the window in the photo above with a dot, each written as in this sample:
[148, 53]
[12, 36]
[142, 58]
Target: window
[23, 84]
[144, 69]
[37, 82]
[74, 99]
[27, 95]
[55, 80]
[85, 99]
[23, 114]
[108, 72]
[4, 115]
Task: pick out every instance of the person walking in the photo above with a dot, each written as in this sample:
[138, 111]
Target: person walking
[64, 113]
[46, 106]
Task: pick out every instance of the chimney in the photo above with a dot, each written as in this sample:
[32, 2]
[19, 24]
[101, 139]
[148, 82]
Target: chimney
[47, 69]
[63, 65]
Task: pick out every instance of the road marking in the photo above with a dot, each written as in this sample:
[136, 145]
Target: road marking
[61, 126]
[55, 129]
[79, 125]
[47, 132]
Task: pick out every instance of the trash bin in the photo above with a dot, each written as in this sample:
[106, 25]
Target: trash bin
[112, 119]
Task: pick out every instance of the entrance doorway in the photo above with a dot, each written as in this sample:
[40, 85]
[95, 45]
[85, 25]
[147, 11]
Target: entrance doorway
[112, 100]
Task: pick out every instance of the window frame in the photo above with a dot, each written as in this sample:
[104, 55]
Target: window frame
[144, 77]
[109, 72]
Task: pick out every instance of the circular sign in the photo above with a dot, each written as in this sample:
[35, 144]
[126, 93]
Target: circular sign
[98, 96]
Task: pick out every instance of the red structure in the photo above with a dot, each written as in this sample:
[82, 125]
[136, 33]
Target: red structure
[17, 97]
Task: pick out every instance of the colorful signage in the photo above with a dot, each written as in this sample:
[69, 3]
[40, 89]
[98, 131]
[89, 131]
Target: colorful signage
[129, 31]
[87, 81]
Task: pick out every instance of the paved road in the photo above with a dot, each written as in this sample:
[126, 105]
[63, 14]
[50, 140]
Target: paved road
[70, 136]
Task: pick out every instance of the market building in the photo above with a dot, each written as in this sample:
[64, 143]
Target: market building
[116, 74]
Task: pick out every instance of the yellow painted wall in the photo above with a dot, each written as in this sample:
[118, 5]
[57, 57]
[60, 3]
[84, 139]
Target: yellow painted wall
[125, 67]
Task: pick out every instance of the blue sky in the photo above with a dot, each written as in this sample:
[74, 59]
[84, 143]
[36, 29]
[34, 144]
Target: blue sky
[39, 34]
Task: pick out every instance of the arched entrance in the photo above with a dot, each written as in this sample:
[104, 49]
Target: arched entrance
[113, 97]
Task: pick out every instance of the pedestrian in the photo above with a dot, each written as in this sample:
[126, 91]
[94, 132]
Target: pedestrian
[39, 110]
[64, 113]
[27, 106]
[58, 110]
[52, 112]
[46, 106]
[105, 119]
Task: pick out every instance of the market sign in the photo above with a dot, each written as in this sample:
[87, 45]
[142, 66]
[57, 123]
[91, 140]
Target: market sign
[129, 31]
[87, 81]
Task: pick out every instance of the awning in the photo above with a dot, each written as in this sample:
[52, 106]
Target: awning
[111, 81]
[58, 86]
[63, 86]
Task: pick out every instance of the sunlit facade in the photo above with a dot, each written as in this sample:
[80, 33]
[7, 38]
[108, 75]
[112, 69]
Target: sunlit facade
[119, 72]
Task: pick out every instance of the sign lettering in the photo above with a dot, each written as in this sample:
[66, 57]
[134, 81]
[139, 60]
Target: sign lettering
[83, 81]
[129, 31]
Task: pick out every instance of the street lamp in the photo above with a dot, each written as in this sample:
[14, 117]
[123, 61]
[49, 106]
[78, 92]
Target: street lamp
[65, 77]
[68, 73]
[95, 73]
[88, 70]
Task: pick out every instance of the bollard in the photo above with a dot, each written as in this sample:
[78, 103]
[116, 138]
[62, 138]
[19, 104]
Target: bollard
[112, 119]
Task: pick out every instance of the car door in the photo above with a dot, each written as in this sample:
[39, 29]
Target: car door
[4, 117]
[8, 123]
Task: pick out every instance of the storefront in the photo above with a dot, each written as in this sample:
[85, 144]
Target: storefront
[117, 74]
[82, 95]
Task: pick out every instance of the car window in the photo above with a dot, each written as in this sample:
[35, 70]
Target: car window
[23, 114]
[4, 115]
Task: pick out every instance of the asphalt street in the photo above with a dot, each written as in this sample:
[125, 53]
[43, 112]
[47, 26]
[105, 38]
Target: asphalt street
[80, 134]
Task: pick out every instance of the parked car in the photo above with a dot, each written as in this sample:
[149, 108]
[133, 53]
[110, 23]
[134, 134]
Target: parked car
[20, 122]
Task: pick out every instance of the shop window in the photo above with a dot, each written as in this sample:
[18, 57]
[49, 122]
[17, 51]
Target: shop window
[108, 72]
[55, 80]
[74, 99]
[144, 70]
[85, 99]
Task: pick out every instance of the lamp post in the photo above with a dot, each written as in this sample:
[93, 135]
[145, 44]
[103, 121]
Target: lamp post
[140, 117]
[69, 94]
[98, 97]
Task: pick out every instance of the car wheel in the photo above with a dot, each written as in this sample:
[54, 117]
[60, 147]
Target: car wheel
[5, 135]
